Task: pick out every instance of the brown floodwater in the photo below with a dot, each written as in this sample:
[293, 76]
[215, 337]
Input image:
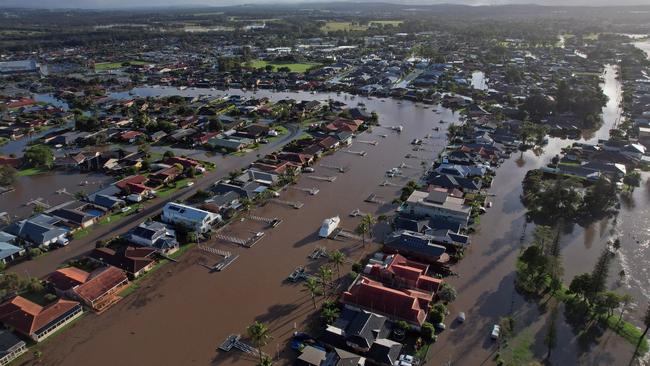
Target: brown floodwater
[182, 312]
[51, 189]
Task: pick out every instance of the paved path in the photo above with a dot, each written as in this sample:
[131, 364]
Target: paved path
[49, 262]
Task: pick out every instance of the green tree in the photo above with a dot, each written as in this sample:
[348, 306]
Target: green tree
[600, 273]
[39, 156]
[337, 258]
[447, 293]
[7, 175]
[260, 335]
[632, 180]
[365, 227]
[428, 331]
[581, 286]
[314, 289]
[329, 312]
[325, 276]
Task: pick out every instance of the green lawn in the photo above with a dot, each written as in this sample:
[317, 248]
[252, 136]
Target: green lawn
[394, 23]
[135, 284]
[293, 67]
[103, 66]
[30, 171]
[166, 191]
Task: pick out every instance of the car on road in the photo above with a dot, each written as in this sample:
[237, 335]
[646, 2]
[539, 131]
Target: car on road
[496, 331]
[461, 317]
[308, 169]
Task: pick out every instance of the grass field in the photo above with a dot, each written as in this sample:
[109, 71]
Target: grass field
[103, 66]
[394, 23]
[293, 67]
[30, 171]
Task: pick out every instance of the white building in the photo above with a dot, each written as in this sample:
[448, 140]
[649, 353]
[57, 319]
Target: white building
[437, 204]
[189, 217]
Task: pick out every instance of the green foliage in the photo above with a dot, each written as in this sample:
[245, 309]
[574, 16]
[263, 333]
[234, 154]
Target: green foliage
[39, 156]
[7, 175]
[428, 331]
[447, 293]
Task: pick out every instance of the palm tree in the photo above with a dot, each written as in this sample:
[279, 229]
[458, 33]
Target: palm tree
[259, 333]
[314, 289]
[365, 226]
[338, 258]
[329, 314]
[325, 275]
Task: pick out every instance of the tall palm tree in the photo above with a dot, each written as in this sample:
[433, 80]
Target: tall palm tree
[314, 289]
[365, 226]
[338, 258]
[325, 275]
[260, 334]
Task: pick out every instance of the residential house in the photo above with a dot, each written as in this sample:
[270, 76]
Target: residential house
[190, 217]
[417, 245]
[397, 271]
[312, 356]
[100, 290]
[437, 204]
[11, 347]
[9, 252]
[35, 321]
[397, 304]
[40, 230]
[154, 235]
[467, 185]
[74, 216]
[365, 333]
[134, 261]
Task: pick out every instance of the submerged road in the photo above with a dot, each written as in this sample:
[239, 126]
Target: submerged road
[45, 264]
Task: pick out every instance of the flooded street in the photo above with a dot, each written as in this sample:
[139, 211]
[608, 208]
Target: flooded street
[486, 284]
[182, 312]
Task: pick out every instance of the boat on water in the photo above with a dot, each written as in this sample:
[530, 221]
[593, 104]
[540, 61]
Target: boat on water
[399, 128]
[328, 227]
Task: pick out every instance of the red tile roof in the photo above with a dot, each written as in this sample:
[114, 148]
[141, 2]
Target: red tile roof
[102, 282]
[128, 135]
[408, 305]
[27, 317]
[67, 278]
[403, 272]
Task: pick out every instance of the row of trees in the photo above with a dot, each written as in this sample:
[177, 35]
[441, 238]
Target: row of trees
[564, 199]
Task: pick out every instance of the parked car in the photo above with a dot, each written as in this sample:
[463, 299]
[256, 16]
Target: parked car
[461, 317]
[496, 331]
[308, 169]
[441, 326]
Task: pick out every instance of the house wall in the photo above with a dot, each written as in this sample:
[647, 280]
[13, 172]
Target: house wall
[437, 212]
[13, 355]
[44, 333]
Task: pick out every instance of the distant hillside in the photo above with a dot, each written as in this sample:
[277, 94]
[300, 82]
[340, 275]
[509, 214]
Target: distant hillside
[113, 4]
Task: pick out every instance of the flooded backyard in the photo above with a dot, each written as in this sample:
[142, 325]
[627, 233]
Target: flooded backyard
[183, 312]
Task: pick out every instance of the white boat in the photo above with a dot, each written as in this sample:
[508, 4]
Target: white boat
[399, 128]
[328, 227]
